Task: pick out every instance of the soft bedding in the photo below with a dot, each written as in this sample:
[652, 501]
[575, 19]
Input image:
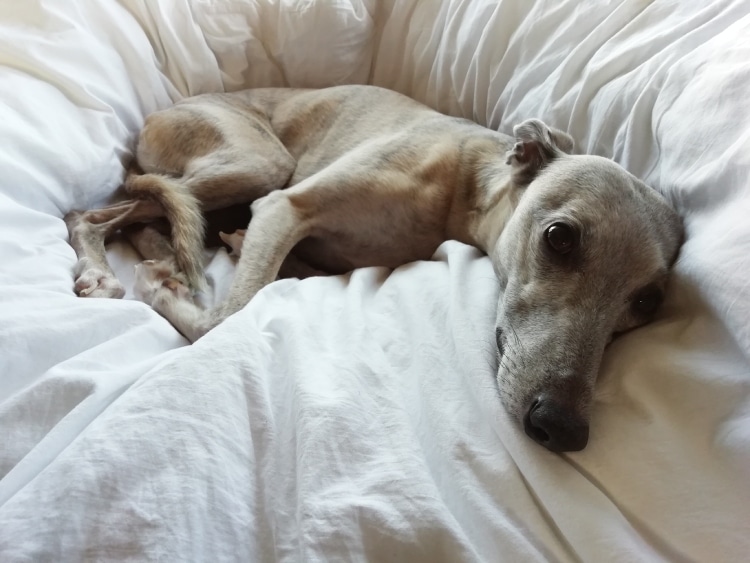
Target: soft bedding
[355, 418]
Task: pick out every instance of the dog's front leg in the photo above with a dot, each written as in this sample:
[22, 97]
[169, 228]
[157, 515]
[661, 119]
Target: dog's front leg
[274, 230]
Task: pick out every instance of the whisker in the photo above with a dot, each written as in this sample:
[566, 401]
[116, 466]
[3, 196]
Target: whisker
[522, 355]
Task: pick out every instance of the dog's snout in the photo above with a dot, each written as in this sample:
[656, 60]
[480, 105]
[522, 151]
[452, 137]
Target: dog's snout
[555, 426]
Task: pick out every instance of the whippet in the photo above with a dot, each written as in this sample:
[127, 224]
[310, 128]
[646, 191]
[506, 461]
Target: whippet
[355, 176]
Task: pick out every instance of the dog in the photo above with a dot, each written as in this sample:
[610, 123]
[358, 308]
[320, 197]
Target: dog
[352, 176]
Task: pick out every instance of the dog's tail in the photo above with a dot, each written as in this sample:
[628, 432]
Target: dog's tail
[184, 214]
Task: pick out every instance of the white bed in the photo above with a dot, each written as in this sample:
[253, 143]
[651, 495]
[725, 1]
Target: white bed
[354, 418]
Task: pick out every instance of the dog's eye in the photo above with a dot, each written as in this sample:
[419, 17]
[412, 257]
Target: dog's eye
[647, 302]
[561, 237]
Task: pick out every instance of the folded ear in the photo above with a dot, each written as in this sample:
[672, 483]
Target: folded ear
[536, 146]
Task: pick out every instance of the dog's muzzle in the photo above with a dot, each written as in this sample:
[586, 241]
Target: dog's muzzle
[549, 421]
[554, 426]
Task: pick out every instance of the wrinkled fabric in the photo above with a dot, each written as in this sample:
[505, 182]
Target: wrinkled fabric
[355, 417]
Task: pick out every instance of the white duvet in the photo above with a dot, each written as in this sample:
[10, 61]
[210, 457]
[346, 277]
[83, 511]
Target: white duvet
[354, 418]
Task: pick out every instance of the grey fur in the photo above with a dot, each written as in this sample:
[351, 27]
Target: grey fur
[374, 178]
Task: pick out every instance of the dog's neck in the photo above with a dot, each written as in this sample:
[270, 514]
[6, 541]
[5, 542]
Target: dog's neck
[494, 202]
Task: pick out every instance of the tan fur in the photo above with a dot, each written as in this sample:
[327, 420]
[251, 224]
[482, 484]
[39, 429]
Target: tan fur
[357, 176]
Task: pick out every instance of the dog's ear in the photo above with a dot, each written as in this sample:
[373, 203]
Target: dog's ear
[536, 146]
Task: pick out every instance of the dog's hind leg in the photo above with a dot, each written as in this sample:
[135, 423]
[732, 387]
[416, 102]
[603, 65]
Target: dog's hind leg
[151, 241]
[89, 231]
[159, 267]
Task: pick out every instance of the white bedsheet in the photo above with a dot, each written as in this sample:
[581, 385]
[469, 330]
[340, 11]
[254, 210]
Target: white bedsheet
[354, 417]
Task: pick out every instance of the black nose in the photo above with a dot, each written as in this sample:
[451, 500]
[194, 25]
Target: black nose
[556, 427]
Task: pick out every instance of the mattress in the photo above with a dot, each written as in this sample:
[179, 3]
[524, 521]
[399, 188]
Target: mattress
[355, 418]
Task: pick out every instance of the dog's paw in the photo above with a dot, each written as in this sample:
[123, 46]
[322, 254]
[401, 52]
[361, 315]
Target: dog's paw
[234, 241]
[155, 276]
[92, 281]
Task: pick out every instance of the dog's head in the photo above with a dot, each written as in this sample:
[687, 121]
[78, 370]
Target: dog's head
[584, 257]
